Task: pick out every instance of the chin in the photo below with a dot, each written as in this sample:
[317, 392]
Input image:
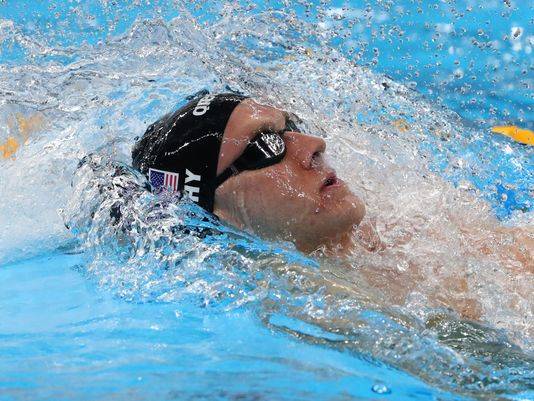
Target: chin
[338, 223]
[348, 211]
[357, 208]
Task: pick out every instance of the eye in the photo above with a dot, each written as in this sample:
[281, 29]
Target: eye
[292, 122]
[291, 126]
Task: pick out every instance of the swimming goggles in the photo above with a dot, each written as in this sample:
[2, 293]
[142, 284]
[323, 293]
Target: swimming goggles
[265, 149]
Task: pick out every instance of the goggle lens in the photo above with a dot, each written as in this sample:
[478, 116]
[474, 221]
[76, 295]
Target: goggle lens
[266, 149]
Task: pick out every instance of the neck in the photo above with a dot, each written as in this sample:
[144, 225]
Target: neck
[341, 244]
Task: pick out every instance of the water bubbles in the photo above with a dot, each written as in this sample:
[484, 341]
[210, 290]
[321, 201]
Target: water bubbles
[445, 28]
[165, 268]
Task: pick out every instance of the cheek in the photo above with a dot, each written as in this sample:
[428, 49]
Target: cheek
[279, 180]
[344, 213]
[294, 193]
[275, 196]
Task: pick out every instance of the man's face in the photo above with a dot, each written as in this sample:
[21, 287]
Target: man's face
[299, 199]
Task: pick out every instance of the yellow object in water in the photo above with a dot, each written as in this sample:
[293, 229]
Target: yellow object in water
[9, 147]
[25, 126]
[520, 135]
[30, 124]
[401, 124]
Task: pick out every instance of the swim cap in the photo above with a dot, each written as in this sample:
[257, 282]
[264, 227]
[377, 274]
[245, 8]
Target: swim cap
[180, 151]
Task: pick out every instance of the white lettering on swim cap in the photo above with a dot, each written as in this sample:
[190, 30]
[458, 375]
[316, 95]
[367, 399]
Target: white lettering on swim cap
[200, 110]
[190, 190]
[203, 105]
[190, 176]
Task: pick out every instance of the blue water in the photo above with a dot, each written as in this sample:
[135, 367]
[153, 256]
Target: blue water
[69, 331]
[420, 43]
[82, 343]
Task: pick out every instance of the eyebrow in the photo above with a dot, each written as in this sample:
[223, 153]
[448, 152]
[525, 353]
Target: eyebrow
[289, 118]
[265, 127]
[269, 126]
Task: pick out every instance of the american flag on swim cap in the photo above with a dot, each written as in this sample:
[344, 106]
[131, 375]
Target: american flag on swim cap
[160, 178]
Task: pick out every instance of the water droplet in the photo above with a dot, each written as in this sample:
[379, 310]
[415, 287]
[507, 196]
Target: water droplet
[380, 388]
[516, 32]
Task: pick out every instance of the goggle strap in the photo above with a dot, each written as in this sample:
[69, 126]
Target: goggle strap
[230, 171]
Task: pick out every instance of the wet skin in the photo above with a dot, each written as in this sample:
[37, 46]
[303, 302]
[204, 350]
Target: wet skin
[299, 199]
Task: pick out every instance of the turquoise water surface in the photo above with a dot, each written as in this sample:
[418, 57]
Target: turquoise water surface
[88, 314]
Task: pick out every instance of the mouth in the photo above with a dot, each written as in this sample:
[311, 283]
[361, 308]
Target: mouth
[330, 181]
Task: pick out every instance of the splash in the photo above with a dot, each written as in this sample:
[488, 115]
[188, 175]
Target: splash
[149, 248]
[425, 174]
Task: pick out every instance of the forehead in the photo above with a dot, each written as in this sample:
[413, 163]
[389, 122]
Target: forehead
[245, 121]
[249, 115]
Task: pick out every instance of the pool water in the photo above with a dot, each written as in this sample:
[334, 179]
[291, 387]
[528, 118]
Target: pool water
[89, 312]
[91, 345]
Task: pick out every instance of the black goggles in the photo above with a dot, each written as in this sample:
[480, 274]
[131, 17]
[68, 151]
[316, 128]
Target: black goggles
[265, 149]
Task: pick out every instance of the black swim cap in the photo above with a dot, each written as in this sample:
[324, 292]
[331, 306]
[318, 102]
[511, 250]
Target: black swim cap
[180, 151]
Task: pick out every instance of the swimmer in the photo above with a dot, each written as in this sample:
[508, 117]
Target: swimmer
[251, 166]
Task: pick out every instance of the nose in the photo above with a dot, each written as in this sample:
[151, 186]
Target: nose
[305, 149]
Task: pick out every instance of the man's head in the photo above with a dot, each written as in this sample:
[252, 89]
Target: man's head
[295, 197]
